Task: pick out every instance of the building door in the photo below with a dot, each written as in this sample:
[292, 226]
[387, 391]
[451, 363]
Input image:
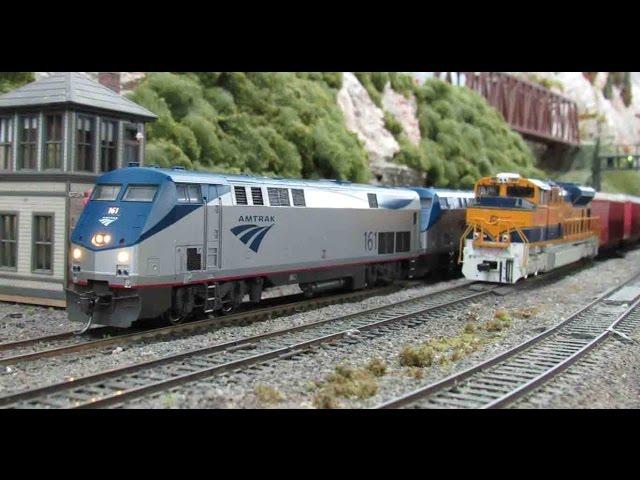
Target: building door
[213, 229]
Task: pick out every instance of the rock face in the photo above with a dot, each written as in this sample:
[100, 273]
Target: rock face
[620, 124]
[404, 110]
[366, 120]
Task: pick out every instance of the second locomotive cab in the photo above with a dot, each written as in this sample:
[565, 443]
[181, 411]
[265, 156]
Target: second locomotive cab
[520, 227]
[153, 242]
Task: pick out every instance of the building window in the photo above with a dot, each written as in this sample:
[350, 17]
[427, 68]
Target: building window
[28, 146]
[53, 141]
[43, 243]
[6, 142]
[85, 141]
[8, 240]
[131, 145]
[108, 145]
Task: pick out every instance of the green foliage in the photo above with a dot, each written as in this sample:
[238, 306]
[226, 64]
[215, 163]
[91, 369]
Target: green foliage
[393, 125]
[463, 138]
[263, 123]
[372, 88]
[12, 80]
[289, 124]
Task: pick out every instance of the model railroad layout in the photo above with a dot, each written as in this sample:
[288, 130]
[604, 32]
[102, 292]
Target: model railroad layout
[189, 248]
[509, 376]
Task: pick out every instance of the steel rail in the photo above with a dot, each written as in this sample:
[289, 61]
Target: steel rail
[458, 379]
[283, 305]
[460, 293]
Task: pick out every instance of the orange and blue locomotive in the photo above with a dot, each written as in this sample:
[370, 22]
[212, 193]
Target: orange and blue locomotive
[519, 227]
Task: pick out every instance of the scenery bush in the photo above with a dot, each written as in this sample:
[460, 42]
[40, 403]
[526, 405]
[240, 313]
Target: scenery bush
[289, 124]
[12, 80]
[463, 137]
[282, 124]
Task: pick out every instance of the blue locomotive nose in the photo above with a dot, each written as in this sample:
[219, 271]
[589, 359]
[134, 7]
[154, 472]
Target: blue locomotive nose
[120, 222]
[125, 204]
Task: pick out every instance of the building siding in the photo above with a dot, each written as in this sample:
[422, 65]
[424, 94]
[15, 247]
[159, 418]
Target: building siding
[25, 207]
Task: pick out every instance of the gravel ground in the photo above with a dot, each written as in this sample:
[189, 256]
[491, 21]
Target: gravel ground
[52, 370]
[19, 322]
[609, 377]
[297, 381]
[294, 383]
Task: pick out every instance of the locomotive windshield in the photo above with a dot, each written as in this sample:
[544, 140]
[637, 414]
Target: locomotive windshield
[489, 191]
[520, 192]
[140, 193]
[106, 192]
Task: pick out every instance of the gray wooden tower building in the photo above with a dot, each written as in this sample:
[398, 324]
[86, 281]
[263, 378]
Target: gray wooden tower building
[56, 136]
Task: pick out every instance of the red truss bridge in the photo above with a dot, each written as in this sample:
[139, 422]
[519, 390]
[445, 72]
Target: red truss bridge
[537, 113]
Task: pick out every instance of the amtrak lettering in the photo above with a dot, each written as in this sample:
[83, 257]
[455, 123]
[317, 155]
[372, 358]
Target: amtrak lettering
[257, 218]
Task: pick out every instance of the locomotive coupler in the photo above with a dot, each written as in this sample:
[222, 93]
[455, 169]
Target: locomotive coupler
[87, 302]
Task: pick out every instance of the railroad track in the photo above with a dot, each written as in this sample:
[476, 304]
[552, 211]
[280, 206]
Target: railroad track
[123, 384]
[102, 337]
[507, 377]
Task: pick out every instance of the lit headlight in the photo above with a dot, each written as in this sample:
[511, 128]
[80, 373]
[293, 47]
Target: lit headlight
[77, 253]
[123, 257]
[101, 239]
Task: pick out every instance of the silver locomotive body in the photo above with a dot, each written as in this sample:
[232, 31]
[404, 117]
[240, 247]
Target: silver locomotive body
[183, 242]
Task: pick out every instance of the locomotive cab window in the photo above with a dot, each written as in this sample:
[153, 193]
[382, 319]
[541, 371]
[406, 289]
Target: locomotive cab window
[189, 193]
[488, 191]
[520, 192]
[140, 193]
[106, 192]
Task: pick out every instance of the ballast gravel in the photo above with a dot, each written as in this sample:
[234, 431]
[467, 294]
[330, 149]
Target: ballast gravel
[297, 381]
[27, 375]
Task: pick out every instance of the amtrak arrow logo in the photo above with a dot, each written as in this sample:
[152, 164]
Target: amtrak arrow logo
[106, 221]
[251, 233]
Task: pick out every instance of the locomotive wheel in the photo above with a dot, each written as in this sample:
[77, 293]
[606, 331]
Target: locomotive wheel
[172, 318]
[227, 308]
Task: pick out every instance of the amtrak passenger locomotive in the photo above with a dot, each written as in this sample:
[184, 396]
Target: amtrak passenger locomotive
[170, 243]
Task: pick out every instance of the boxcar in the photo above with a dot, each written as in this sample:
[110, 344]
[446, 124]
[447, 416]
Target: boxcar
[610, 208]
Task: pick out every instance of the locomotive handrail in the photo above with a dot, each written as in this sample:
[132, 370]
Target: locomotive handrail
[580, 227]
[479, 241]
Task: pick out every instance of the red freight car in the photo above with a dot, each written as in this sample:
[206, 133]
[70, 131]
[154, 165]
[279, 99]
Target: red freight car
[610, 208]
[628, 211]
[635, 219]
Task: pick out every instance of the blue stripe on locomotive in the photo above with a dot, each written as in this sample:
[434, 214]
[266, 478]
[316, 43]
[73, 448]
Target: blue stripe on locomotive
[135, 221]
